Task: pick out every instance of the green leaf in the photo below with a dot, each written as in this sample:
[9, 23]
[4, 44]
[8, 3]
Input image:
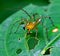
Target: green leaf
[19, 44]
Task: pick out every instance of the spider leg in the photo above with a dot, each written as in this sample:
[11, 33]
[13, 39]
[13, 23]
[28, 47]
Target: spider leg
[13, 25]
[55, 27]
[20, 23]
[51, 21]
[17, 28]
[24, 20]
[33, 16]
[26, 12]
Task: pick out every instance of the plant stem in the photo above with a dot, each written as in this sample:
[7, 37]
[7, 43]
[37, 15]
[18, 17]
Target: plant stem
[50, 43]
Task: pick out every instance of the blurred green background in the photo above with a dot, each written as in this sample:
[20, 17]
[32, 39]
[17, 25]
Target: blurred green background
[8, 7]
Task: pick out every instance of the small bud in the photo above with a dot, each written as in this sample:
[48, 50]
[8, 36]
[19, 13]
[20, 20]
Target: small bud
[55, 30]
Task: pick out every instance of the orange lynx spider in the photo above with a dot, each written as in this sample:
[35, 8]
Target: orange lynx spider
[29, 25]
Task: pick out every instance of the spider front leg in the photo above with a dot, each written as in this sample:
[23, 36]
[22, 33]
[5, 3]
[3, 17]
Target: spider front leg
[20, 22]
[13, 25]
[33, 16]
[55, 27]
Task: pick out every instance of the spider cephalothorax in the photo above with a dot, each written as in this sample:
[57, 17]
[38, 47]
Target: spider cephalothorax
[32, 25]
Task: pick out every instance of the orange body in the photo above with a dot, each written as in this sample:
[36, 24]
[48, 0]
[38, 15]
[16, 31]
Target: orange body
[31, 25]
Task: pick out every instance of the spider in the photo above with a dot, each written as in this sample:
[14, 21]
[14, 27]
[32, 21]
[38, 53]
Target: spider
[30, 25]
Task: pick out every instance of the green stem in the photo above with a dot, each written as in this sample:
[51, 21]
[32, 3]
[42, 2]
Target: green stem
[50, 43]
